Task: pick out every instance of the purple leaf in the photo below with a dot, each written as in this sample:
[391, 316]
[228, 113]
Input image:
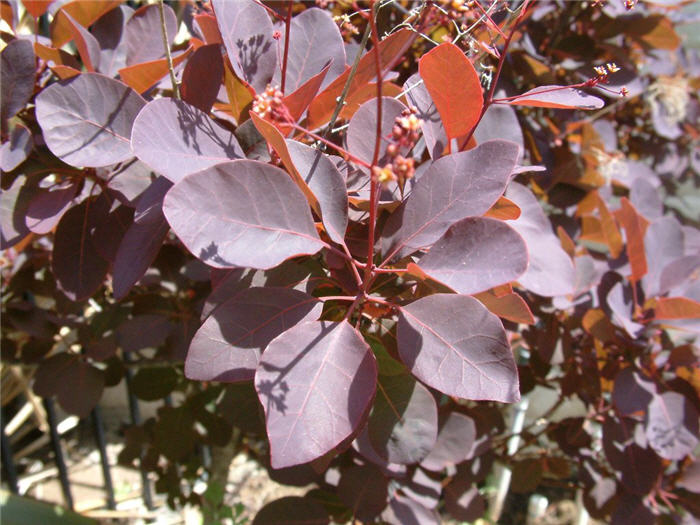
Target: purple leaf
[454, 187]
[499, 122]
[454, 443]
[463, 501]
[143, 331]
[14, 202]
[17, 70]
[362, 131]
[48, 206]
[77, 385]
[677, 272]
[77, 265]
[142, 240]
[228, 345]
[672, 426]
[127, 181]
[551, 271]
[402, 426]
[87, 119]
[640, 469]
[663, 243]
[364, 447]
[315, 39]
[405, 511]
[16, 150]
[144, 35]
[110, 230]
[423, 488]
[176, 139]
[621, 303]
[292, 510]
[202, 77]
[109, 30]
[476, 254]
[326, 183]
[645, 198]
[560, 97]
[364, 489]
[632, 391]
[246, 30]
[221, 212]
[690, 478]
[316, 379]
[455, 345]
[433, 130]
[88, 46]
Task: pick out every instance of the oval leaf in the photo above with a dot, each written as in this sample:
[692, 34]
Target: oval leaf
[559, 97]
[228, 345]
[454, 86]
[144, 34]
[403, 424]
[476, 254]
[77, 265]
[87, 119]
[242, 213]
[551, 271]
[454, 187]
[246, 30]
[364, 489]
[455, 345]
[176, 139]
[328, 185]
[362, 131]
[454, 442]
[292, 510]
[315, 380]
[17, 70]
[672, 426]
[315, 40]
[142, 240]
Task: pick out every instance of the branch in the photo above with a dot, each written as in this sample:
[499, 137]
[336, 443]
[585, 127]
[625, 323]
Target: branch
[164, 30]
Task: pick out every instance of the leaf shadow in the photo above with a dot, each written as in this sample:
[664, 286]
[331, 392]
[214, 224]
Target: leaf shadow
[250, 53]
[266, 388]
[195, 123]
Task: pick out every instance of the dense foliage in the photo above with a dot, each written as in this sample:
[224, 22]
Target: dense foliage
[346, 236]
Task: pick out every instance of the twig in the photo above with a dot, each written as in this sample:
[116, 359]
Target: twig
[164, 29]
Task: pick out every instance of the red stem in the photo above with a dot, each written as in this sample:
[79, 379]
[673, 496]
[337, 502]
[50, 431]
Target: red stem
[330, 144]
[287, 27]
[501, 60]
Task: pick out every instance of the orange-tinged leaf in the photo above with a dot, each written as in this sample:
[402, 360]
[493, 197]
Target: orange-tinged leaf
[504, 209]
[635, 226]
[391, 49]
[36, 8]
[275, 139]
[365, 93]
[85, 12]
[240, 94]
[566, 242]
[661, 36]
[57, 56]
[209, 28]
[82, 42]
[597, 323]
[64, 72]
[7, 14]
[454, 86]
[591, 230]
[676, 308]
[613, 238]
[142, 77]
[510, 306]
[299, 100]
